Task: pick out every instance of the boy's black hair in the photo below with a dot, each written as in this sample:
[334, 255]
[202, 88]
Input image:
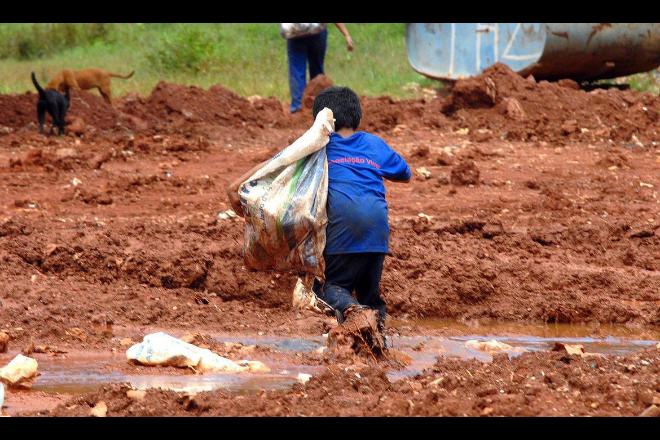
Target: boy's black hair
[345, 106]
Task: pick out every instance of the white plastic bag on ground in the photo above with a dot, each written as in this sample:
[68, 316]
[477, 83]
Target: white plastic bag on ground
[163, 349]
[285, 205]
[20, 371]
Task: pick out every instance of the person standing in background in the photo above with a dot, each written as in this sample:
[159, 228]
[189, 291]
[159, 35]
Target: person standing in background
[307, 42]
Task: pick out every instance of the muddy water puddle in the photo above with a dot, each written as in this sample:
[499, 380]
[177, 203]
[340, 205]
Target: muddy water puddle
[551, 330]
[76, 381]
[603, 339]
[79, 374]
[82, 372]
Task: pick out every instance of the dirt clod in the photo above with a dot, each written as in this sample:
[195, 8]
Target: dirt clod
[313, 88]
[465, 173]
[4, 342]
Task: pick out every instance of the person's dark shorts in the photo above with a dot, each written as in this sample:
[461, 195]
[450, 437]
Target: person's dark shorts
[348, 273]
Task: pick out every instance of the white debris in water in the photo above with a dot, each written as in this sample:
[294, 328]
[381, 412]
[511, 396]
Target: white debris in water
[488, 346]
[163, 349]
[226, 215]
[303, 378]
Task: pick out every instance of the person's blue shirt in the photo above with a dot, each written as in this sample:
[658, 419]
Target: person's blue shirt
[357, 209]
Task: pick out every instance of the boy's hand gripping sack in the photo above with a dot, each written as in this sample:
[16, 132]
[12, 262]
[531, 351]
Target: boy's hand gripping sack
[285, 205]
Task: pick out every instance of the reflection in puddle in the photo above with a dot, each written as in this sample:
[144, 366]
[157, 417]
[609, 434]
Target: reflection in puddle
[434, 346]
[84, 381]
[79, 374]
[553, 330]
[278, 343]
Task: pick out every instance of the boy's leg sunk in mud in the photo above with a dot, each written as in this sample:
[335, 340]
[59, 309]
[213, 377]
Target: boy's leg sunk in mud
[348, 272]
[367, 287]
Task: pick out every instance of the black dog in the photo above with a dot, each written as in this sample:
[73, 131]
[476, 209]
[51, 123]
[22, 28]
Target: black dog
[53, 102]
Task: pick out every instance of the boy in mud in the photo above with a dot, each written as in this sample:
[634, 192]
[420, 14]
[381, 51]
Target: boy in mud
[357, 234]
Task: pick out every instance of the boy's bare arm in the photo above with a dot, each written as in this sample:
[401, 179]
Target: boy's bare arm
[232, 189]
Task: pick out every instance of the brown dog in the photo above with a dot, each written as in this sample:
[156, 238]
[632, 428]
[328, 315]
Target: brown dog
[86, 79]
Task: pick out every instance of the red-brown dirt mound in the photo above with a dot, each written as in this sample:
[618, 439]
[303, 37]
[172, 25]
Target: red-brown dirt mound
[176, 104]
[19, 111]
[314, 87]
[93, 110]
[501, 99]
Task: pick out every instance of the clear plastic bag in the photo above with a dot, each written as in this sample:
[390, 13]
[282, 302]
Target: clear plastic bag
[285, 205]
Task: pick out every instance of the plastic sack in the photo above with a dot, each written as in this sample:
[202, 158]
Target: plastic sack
[163, 349]
[20, 371]
[284, 204]
[306, 299]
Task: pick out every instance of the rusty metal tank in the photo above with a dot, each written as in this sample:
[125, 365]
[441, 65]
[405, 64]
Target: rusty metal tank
[580, 51]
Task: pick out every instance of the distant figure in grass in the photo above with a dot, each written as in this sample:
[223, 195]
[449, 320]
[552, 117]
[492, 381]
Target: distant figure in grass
[307, 42]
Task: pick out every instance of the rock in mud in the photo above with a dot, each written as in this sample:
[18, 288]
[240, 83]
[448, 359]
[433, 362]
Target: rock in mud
[492, 230]
[14, 226]
[254, 366]
[137, 395]
[126, 342]
[651, 411]
[465, 173]
[569, 349]
[492, 346]
[303, 378]
[512, 109]
[476, 92]
[99, 410]
[424, 172]
[77, 126]
[569, 127]
[421, 152]
[65, 153]
[20, 372]
[4, 342]
[444, 159]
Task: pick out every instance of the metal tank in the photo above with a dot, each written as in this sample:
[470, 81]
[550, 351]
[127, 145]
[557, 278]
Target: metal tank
[580, 51]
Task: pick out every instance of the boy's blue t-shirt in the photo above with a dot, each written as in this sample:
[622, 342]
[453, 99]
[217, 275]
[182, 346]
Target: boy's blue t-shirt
[357, 210]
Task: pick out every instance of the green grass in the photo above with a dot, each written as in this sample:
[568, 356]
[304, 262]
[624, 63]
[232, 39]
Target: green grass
[249, 59]
[645, 82]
